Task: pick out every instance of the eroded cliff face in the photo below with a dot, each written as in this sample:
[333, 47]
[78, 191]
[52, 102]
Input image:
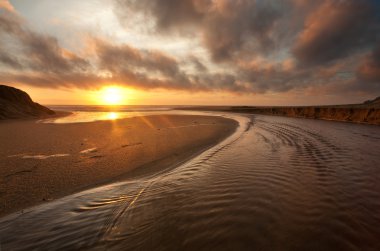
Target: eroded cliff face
[360, 115]
[16, 104]
[368, 112]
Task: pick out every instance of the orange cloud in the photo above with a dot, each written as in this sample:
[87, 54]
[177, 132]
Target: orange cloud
[5, 4]
[335, 30]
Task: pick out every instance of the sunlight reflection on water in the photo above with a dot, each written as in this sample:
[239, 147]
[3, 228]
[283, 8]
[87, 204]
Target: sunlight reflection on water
[277, 183]
[113, 115]
[78, 117]
[84, 116]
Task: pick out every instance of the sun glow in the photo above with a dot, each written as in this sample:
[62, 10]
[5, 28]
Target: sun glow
[112, 115]
[112, 95]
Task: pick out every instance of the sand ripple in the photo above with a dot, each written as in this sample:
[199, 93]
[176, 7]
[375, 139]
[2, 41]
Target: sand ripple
[276, 184]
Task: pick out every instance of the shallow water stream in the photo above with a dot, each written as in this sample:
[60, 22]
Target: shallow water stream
[276, 184]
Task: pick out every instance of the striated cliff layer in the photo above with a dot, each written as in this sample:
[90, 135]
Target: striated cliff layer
[359, 115]
[16, 104]
[368, 112]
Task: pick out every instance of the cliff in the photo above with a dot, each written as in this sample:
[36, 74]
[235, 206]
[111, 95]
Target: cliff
[370, 115]
[16, 104]
[368, 112]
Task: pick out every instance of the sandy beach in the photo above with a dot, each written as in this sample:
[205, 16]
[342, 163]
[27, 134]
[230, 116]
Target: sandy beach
[42, 162]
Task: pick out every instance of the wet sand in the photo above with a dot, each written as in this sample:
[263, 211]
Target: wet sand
[277, 183]
[42, 162]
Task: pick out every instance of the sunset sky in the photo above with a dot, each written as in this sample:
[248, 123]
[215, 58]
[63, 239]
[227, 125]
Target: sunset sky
[205, 52]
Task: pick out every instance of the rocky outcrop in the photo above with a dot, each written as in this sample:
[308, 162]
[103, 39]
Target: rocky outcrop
[16, 104]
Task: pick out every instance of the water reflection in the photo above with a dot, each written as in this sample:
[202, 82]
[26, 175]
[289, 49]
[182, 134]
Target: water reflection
[112, 115]
[84, 116]
[79, 117]
[276, 184]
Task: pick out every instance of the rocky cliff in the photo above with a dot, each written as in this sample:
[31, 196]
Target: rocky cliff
[353, 114]
[368, 112]
[15, 104]
[374, 102]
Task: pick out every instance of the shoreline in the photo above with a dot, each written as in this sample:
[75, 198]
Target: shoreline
[44, 162]
[57, 114]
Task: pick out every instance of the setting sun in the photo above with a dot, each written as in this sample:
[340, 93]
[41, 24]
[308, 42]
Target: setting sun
[112, 95]
[180, 124]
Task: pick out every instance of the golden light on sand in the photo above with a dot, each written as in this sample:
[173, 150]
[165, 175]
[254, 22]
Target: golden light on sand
[112, 95]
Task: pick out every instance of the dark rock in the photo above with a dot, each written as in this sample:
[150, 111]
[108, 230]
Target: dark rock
[16, 104]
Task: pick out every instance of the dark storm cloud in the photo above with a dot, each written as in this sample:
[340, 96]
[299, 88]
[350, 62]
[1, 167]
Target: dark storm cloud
[272, 78]
[335, 30]
[229, 29]
[226, 25]
[253, 46]
[369, 70]
[168, 13]
[198, 65]
[315, 34]
[321, 30]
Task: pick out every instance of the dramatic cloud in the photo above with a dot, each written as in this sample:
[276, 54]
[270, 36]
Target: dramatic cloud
[168, 13]
[36, 52]
[43, 62]
[153, 69]
[369, 70]
[146, 69]
[307, 33]
[226, 26]
[9, 60]
[336, 29]
[240, 46]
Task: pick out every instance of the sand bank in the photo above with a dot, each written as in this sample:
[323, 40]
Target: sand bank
[42, 162]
